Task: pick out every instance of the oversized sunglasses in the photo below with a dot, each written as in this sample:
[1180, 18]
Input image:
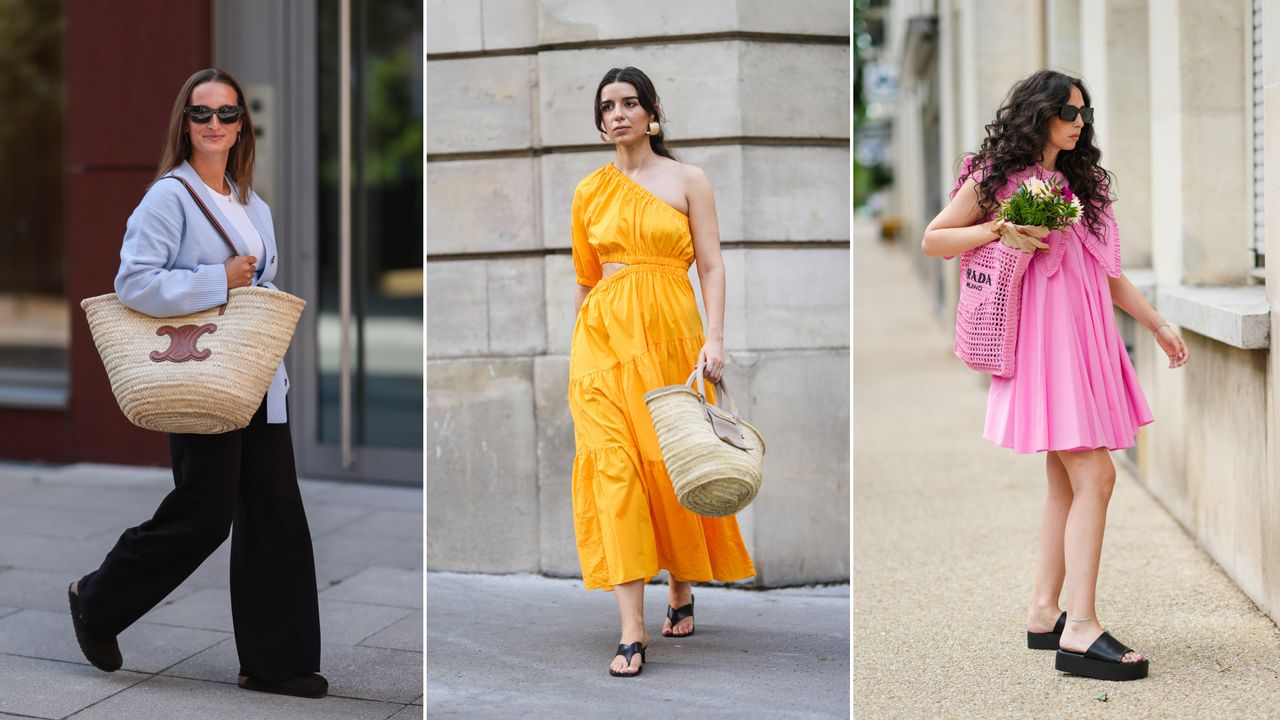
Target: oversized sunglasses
[201, 114]
[1068, 113]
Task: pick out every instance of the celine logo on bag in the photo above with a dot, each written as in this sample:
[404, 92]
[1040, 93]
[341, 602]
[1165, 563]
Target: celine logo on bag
[182, 343]
[974, 279]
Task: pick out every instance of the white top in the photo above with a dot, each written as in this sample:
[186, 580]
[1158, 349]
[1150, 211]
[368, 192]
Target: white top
[243, 225]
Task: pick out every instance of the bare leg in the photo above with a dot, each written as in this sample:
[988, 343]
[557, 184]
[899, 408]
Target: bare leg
[1050, 562]
[630, 596]
[1093, 477]
[679, 594]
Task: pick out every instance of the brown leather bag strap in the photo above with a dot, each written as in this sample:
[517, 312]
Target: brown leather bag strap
[205, 210]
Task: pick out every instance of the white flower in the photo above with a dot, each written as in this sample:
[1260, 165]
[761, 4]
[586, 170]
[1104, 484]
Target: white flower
[1078, 210]
[1037, 187]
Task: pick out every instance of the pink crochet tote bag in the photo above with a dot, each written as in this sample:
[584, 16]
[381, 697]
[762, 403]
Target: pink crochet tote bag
[990, 303]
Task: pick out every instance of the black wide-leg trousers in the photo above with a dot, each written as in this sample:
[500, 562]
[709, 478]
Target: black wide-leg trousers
[245, 482]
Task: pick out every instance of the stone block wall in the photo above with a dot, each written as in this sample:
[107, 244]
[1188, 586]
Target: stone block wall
[756, 94]
[1210, 455]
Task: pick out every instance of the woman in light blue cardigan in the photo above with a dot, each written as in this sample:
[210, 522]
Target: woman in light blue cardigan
[173, 262]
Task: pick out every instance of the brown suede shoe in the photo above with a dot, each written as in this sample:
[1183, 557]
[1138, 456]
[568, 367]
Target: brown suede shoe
[104, 654]
[308, 685]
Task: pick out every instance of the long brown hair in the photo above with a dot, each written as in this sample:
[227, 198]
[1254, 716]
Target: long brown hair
[177, 146]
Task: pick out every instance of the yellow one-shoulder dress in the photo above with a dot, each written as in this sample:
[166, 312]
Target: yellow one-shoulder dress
[637, 330]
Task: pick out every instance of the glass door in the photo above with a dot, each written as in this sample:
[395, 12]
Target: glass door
[366, 392]
[35, 318]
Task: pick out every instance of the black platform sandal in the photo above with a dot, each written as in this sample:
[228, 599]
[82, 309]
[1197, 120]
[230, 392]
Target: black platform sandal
[1047, 640]
[1103, 661]
[675, 615]
[627, 652]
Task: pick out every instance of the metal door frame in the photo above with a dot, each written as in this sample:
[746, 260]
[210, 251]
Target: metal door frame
[294, 77]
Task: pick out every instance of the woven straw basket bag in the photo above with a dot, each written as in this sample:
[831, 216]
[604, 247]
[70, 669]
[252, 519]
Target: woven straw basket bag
[715, 458]
[201, 373]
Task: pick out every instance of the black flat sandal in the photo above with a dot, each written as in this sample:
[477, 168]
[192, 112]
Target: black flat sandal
[675, 615]
[627, 652]
[1047, 640]
[1102, 661]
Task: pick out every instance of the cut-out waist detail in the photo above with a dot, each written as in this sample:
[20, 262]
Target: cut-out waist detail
[622, 270]
[615, 264]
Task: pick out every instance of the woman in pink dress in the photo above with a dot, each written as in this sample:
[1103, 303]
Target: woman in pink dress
[1073, 395]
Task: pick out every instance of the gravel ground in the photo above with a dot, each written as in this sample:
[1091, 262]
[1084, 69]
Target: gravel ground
[945, 528]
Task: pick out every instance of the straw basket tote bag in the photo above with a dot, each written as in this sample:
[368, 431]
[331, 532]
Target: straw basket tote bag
[203, 373]
[715, 458]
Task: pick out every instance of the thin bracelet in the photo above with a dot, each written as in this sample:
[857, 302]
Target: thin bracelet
[1153, 332]
[1079, 620]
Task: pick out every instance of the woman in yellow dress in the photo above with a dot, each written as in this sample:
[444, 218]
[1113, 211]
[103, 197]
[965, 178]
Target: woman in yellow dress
[638, 223]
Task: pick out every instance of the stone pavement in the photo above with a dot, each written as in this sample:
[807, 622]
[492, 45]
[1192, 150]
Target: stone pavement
[57, 523]
[505, 646]
[945, 528]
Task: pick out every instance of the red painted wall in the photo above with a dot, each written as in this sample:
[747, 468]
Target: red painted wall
[126, 63]
[34, 435]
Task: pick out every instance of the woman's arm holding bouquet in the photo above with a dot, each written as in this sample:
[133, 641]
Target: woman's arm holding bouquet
[954, 230]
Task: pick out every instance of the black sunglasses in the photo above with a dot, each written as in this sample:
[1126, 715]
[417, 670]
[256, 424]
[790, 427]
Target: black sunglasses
[201, 114]
[1069, 112]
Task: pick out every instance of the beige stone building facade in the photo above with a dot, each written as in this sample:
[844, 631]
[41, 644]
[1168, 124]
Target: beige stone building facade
[1188, 106]
[757, 94]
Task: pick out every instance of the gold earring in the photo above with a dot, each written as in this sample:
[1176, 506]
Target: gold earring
[654, 128]
[604, 137]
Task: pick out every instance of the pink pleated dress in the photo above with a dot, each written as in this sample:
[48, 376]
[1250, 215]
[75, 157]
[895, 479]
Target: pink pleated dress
[1073, 386]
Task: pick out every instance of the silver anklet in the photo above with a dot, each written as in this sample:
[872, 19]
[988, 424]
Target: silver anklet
[1079, 619]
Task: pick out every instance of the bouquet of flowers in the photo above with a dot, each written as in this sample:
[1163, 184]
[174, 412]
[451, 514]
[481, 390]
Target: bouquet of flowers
[1046, 204]
[1034, 210]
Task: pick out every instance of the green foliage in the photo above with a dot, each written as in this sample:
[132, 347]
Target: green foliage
[387, 106]
[394, 128]
[33, 147]
[1052, 210]
[866, 179]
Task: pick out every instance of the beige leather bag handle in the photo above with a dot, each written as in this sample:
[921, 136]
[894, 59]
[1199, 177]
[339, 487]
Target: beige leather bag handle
[725, 425]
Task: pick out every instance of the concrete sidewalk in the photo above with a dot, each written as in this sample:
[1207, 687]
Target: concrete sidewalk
[57, 523]
[503, 646]
[945, 529]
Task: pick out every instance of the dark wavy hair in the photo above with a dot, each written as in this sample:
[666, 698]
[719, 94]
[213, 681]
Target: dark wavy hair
[1017, 136]
[648, 97]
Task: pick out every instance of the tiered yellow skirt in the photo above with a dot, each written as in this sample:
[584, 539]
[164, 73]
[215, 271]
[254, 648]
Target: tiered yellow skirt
[638, 329]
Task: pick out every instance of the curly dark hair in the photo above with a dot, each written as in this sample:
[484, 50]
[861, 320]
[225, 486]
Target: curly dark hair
[1017, 136]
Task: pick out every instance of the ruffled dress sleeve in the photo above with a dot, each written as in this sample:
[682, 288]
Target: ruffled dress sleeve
[586, 264]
